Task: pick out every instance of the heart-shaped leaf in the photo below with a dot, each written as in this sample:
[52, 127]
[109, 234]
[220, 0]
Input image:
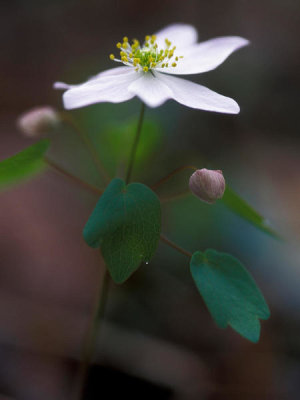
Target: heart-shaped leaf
[126, 224]
[23, 164]
[229, 292]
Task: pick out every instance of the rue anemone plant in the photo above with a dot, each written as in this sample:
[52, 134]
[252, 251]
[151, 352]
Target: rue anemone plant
[126, 221]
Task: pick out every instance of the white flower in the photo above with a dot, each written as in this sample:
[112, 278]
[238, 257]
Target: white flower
[148, 69]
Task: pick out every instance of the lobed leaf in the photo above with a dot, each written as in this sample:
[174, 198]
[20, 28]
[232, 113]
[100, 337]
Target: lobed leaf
[126, 224]
[230, 292]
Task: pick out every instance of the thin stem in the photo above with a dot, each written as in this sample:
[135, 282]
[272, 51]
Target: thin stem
[175, 246]
[174, 197]
[171, 174]
[66, 174]
[135, 144]
[89, 347]
[89, 145]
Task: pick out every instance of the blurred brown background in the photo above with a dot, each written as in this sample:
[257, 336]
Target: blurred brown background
[158, 339]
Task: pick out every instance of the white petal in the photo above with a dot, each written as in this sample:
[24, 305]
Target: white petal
[62, 85]
[181, 35]
[112, 71]
[108, 88]
[108, 72]
[150, 90]
[205, 56]
[196, 96]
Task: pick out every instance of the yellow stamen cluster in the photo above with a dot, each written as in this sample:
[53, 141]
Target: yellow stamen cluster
[146, 57]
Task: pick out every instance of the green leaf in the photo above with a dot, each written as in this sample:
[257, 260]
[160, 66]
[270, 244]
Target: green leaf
[229, 292]
[244, 210]
[24, 164]
[126, 224]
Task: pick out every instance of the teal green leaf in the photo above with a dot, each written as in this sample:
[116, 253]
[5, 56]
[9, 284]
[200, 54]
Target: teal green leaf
[24, 164]
[244, 210]
[230, 292]
[126, 224]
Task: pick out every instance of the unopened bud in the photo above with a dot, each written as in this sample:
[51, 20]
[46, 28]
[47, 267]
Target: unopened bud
[38, 121]
[208, 185]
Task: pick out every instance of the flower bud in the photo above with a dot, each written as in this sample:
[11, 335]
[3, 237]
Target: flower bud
[208, 185]
[38, 121]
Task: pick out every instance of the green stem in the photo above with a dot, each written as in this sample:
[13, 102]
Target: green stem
[89, 145]
[175, 246]
[98, 313]
[135, 144]
[171, 174]
[74, 178]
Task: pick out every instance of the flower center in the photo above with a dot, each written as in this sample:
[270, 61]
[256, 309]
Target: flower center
[148, 56]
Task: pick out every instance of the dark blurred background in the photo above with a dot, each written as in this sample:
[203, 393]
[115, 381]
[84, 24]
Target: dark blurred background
[158, 339]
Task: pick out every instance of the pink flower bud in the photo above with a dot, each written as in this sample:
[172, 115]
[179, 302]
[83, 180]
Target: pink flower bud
[38, 121]
[208, 185]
